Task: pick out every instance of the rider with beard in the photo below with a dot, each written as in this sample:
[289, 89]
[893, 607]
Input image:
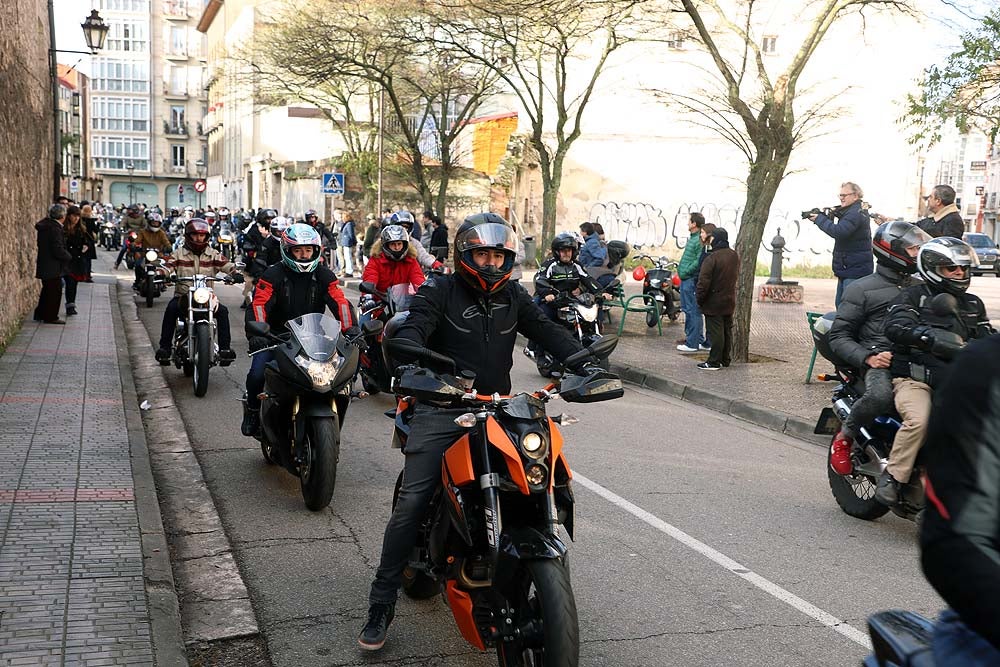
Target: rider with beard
[472, 316]
[193, 258]
[856, 336]
[919, 364]
[297, 285]
[132, 221]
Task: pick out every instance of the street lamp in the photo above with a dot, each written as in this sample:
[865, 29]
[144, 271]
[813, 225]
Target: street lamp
[130, 167]
[199, 166]
[95, 31]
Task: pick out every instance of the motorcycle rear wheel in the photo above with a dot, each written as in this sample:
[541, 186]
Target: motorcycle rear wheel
[857, 500]
[318, 476]
[267, 449]
[544, 595]
[202, 359]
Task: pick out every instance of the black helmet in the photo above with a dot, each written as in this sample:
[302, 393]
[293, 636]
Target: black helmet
[890, 242]
[265, 215]
[565, 240]
[394, 233]
[946, 251]
[484, 230]
[310, 213]
[403, 219]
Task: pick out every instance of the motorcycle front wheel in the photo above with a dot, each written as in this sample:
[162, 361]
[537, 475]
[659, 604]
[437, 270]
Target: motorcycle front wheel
[652, 317]
[544, 606]
[318, 472]
[855, 494]
[202, 359]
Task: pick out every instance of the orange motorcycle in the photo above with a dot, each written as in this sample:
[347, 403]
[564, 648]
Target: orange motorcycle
[490, 539]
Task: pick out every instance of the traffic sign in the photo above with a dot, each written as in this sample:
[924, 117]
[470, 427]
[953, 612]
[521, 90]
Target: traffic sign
[200, 185]
[333, 184]
[180, 189]
[74, 185]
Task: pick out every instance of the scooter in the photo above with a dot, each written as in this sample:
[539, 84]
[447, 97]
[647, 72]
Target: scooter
[490, 538]
[661, 283]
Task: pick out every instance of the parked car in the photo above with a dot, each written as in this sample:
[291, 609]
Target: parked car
[987, 252]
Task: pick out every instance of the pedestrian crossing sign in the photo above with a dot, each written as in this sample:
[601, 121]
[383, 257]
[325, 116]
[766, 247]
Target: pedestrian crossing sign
[333, 184]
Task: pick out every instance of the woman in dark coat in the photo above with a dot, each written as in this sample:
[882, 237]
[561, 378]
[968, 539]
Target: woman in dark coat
[716, 296]
[79, 243]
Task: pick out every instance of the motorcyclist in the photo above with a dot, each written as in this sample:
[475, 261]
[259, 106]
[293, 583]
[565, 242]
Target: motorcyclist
[472, 316]
[327, 235]
[920, 360]
[270, 246]
[393, 261]
[857, 336]
[196, 256]
[132, 221]
[297, 285]
[960, 533]
[405, 220]
[152, 237]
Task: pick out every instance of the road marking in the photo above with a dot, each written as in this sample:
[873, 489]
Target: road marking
[719, 558]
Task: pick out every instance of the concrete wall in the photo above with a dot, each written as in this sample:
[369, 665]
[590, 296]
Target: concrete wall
[26, 159]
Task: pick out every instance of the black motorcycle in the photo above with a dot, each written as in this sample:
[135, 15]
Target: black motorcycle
[195, 346]
[374, 370]
[307, 390]
[581, 314]
[111, 236]
[662, 284]
[154, 282]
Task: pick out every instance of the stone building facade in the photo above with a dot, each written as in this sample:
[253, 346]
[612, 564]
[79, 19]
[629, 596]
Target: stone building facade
[26, 163]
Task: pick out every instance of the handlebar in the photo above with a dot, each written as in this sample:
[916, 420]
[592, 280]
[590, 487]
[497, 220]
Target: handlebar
[662, 262]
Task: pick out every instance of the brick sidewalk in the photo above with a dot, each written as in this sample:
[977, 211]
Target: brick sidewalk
[72, 590]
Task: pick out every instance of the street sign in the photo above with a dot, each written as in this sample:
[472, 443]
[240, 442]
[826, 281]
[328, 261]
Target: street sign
[200, 185]
[180, 190]
[74, 185]
[333, 184]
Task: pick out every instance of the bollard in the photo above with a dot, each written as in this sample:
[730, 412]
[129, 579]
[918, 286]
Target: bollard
[777, 248]
[777, 290]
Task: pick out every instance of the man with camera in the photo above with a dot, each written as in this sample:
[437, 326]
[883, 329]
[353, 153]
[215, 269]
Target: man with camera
[848, 224]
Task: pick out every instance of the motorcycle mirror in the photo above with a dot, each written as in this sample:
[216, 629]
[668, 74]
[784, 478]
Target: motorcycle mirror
[565, 419]
[943, 305]
[259, 329]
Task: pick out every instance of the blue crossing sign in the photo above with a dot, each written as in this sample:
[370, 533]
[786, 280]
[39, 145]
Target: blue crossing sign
[333, 184]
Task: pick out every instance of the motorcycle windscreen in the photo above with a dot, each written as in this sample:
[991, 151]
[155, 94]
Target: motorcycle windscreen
[317, 333]
[400, 296]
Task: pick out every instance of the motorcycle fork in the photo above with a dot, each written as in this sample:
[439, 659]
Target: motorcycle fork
[489, 482]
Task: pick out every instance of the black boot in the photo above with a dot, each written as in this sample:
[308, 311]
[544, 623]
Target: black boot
[251, 422]
[372, 636]
[226, 357]
[70, 309]
[887, 490]
[163, 356]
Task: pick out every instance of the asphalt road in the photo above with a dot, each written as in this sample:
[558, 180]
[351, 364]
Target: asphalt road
[701, 540]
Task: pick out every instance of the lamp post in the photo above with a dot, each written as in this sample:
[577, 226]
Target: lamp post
[95, 31]
[199, 165]
[130, 167]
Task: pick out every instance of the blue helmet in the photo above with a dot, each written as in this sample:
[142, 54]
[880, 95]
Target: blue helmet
[301, 235]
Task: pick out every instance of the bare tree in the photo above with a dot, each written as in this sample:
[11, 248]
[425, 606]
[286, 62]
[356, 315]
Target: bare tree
[550, 53]
[387, 46]
[756, 110]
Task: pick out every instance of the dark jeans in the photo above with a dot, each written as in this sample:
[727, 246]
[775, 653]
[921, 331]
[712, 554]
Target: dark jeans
[49, 299]
[171, 313]
[71, 285]
[431, 433]
[255, 377]
[877, 400]
[720, 332]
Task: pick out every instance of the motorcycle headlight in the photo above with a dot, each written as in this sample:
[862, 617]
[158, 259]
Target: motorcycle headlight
[202, 295]
[151, 256]
[588, 313]
[536, 474]
[533, 445]
[321, 373]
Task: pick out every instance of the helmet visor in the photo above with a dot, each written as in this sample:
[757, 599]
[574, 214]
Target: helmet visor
[914, 236]
[489, 235]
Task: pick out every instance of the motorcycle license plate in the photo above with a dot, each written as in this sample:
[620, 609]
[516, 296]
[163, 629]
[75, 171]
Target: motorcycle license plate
[827, 424]
[659, 297]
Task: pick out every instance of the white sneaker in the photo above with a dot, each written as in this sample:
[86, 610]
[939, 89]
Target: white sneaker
[705, 348]
[685, 349]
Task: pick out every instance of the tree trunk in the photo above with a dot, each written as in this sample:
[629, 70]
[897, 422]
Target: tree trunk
[762, 185]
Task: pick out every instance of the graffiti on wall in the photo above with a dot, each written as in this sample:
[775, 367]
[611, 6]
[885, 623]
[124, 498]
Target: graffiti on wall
[647, 225]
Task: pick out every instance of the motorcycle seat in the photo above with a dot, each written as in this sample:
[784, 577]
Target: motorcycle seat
[901, 638]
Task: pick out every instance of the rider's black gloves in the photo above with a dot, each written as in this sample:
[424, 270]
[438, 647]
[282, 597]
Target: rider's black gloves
[237, 278]
[259, 343]
[352, 332]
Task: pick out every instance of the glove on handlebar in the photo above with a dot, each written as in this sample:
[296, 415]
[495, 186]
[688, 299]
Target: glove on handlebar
[259, 343]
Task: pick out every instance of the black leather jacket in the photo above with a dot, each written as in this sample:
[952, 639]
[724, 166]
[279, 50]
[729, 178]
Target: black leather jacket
[554, 277]
[857, 332]
[449, 317]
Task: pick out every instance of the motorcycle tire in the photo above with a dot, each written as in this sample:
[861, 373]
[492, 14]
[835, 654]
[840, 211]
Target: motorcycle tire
[857, 500]
[545, 594]
[318, 476]
[202, 359]
[267, 449]
[150, 291]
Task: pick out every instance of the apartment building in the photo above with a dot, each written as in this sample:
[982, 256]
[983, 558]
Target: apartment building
[147, 83]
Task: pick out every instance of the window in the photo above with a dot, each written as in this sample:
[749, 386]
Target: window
[769, 46]
[178, 41]
[676, 40]
[119, 114]
[177, 156]
[137, 6]
[177, 80]
[127, 36]
[125, 76]
[117, 152]
[176, 117]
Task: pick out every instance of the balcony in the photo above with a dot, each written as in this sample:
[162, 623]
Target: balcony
[175, 9]
[176, 54]
[176, 91]
[175, 129]
[209, 122]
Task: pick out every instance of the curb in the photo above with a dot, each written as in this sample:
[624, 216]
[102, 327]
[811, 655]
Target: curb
[214, 603]
[161, 595]
[759, 415]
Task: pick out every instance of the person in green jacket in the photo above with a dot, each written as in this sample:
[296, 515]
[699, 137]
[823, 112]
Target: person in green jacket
[687, 269]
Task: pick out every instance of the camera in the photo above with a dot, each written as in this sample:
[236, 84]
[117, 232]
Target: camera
[814, 211]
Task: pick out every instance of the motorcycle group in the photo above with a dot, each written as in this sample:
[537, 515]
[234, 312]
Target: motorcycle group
[483, 506]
